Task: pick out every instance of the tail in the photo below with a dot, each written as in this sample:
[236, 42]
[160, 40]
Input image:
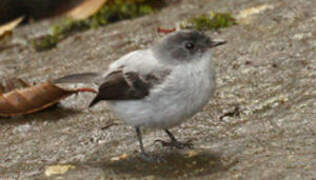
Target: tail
[88, 77]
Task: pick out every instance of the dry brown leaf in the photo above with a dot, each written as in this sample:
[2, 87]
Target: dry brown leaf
[85, 9]
[33, 98]
[8, 27]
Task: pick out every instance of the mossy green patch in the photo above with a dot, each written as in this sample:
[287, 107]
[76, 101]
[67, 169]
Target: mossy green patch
[45, 42]
[112, 11]
[211, 21]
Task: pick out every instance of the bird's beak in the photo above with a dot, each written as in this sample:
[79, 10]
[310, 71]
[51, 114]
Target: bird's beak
[217, 42]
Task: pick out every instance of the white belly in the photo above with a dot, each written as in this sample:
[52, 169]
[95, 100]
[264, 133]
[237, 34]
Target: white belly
[184, 93]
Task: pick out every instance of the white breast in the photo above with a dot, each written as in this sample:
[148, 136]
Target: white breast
[186, 90]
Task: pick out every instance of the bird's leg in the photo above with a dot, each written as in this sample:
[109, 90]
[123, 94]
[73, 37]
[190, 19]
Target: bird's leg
[143, 154]
[174, 142]
[140, 140]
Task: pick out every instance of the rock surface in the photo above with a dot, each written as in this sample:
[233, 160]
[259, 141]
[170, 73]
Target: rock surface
[261, 124]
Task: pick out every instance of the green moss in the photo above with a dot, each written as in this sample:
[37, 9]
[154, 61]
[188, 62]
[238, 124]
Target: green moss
[69, 27]
[211, 21]
[112, 11]
[118, 10]
[45, 42]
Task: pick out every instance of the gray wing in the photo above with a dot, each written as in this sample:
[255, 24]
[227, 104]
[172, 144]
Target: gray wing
[126, 86]
[131, 77]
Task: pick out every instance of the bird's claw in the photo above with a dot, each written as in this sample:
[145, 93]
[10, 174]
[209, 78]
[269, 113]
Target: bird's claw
[151, 158]
[176, 144]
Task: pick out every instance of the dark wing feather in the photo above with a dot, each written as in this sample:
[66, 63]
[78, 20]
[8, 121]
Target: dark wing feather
[122, 86]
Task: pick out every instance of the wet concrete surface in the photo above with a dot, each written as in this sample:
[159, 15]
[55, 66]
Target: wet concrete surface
[259, 125]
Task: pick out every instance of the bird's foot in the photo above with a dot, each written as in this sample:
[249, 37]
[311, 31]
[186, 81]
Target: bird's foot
[176, 144]
[151, 158]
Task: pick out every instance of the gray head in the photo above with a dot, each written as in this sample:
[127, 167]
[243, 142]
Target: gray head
[184, 46]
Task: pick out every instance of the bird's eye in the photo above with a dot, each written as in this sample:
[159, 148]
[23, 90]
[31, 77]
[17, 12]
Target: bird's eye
[189, 45]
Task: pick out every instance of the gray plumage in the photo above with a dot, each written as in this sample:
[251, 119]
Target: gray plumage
[159, 87]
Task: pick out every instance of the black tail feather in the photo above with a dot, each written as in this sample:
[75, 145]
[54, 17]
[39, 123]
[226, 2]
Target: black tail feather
[78, 78]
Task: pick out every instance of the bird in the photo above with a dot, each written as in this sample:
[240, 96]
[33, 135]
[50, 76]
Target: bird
[159, 87]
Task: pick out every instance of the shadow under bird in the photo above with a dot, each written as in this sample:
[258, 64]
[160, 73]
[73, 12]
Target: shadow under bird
[158, 87]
